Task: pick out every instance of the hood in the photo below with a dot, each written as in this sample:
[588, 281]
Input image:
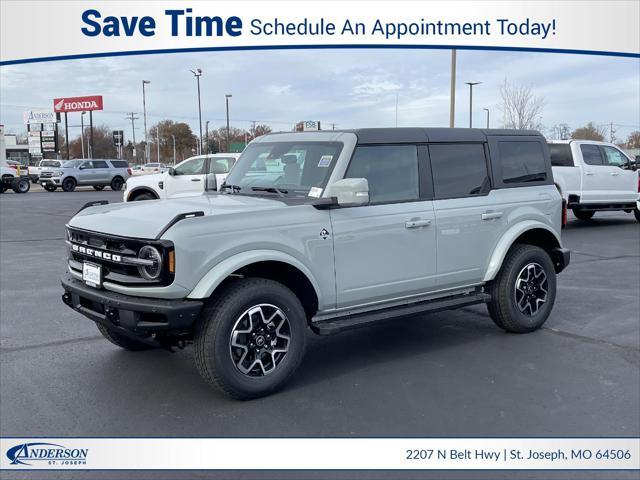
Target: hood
[150, 179]
[147, 219]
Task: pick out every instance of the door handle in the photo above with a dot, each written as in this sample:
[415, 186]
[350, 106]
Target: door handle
[195, 179]
[491, 215]
[588, 173]
[417, 223]
[614, 174]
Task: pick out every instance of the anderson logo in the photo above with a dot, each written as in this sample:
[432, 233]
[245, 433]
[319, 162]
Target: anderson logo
[51, 453]
[78, 104]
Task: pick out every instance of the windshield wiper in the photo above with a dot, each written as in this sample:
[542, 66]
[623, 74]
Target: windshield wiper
[270, 190]
[234, 188]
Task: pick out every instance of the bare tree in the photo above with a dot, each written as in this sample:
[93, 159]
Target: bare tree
[633, 141]
[561, 131]
[521, 108]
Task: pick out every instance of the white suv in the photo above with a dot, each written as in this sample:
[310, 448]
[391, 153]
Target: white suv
[188, 178]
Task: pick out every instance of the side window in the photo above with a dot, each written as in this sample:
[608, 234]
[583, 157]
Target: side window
[100, 164]
[86, 165]
[459, 170]
[391, 170]
[521, 162]
[119, 164]
[561, 155]
[220, 164]
[614, 157]
[191, 167]
[591, 154]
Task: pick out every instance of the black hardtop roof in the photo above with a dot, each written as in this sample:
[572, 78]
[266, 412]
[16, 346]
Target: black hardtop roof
[421, 135]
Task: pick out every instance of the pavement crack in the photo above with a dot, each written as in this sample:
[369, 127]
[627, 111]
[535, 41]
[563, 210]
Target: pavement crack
[592, 340]
[50, 344]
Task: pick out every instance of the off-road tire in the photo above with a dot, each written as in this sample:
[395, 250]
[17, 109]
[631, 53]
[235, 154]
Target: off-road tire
[50, 188]
[122, 341]
[583, 214]
[215, 325]
[3, 187]
[20, 185]
[69, 184]
[636, 213]
[117, 183]
[99, 188]
[144, 196]
[502, 307]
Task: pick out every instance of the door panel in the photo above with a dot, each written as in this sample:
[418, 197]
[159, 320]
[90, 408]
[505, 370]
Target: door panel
[383, 251]
[188, 178]
[622, 183]
[596, 176]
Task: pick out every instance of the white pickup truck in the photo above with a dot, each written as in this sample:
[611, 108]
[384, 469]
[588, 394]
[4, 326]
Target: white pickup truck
[45, 164]
[595, 176]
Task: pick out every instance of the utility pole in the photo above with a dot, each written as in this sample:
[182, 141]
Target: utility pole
[147, 153]
[82, 132]
[206, 136]
[471, 84]
[198, 74]
[131, 116]
[174, 149]
[158, 138]
[253, 129]
[452, 94]
[611, 133]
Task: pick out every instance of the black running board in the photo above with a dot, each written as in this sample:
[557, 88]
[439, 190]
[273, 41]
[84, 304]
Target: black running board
[347, 322]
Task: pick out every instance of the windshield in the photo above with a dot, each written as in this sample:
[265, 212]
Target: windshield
[284, 168]
[72, 163]
[49, 163]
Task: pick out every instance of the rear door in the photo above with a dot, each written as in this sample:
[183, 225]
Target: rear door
[623, 182]
[188, 178]
[597, 181]
[386, 249]
[467, 226]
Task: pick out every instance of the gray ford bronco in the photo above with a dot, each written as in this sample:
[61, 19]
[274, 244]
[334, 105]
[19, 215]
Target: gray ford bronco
[327, 231]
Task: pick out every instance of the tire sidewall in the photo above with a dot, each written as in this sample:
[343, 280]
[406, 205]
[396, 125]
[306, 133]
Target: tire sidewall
[116, 184]
[524, 322]
[68, 184]
[218, 343]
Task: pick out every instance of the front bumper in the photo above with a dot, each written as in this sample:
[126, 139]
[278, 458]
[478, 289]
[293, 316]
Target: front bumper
[135, 315]
[561, 258]
[50, 181]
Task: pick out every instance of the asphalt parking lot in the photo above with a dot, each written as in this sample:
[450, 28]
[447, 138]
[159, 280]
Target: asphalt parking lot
[447, 374]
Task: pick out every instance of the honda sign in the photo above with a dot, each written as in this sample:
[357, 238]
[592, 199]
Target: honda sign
[78, 104]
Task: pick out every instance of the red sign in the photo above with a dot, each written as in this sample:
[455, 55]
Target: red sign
[77, 104]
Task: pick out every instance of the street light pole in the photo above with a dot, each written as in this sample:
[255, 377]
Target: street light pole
[174, 149]
[227, 97]
[487, 110]
[198, 74]
[82, 132]
[452, 94]
[471, 84]
[158, 135]
[144, 114]
[206, 136]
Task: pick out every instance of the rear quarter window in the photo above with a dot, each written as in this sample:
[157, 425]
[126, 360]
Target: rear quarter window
[561, 155]
[119, 164]
[521, 162]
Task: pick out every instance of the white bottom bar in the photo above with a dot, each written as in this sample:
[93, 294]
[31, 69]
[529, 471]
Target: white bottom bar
[320, 453]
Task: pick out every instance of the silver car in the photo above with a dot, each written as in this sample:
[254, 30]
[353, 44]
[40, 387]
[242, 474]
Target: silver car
[97, 173]
[326, 231]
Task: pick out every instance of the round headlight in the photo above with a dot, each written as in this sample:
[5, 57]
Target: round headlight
[150, 272]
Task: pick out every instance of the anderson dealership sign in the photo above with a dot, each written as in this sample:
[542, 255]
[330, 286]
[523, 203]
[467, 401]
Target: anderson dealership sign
[78, 104]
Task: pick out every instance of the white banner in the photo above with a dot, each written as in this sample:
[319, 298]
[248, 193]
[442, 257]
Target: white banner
[321, 453]
[102, 27]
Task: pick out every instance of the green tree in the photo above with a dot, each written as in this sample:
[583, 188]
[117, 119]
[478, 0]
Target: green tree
[185, 141]
[589, 132]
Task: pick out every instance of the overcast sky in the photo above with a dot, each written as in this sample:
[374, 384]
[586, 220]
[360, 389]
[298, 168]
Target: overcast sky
[352, 88]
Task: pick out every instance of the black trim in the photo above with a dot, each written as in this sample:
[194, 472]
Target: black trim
[176, 219]
[95, 203]
[136, 315]
[347, 322]
[561, 258]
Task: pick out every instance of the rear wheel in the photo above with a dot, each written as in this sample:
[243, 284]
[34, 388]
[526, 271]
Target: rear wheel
[251, 338]
[20, 185]
[116, 183]
[144, 196]
[69, 184]
[98, 187]
[524, 291]
[121, 340]
[583, 215]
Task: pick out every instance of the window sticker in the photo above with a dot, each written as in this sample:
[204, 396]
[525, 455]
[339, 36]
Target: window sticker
[325, 161]
[315, 192]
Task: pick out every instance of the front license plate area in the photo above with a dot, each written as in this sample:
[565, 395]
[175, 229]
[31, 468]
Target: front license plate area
[92, 274]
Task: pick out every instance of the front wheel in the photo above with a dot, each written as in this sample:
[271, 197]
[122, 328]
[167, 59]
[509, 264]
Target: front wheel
[250, 338]
[21, 185]
[583, 214]
[69, 184]
[524, 291]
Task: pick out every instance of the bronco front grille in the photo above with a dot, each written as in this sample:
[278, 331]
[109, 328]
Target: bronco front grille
[118, 256]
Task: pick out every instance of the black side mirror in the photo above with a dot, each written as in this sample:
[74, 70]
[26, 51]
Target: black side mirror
[171, 171]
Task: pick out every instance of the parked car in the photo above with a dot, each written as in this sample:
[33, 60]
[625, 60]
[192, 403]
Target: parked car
[43, 165]
[327, 230]
[151, 168]
[136, 170]
[186, 179]
[98, 173]
[595, 176]
[10, 178]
